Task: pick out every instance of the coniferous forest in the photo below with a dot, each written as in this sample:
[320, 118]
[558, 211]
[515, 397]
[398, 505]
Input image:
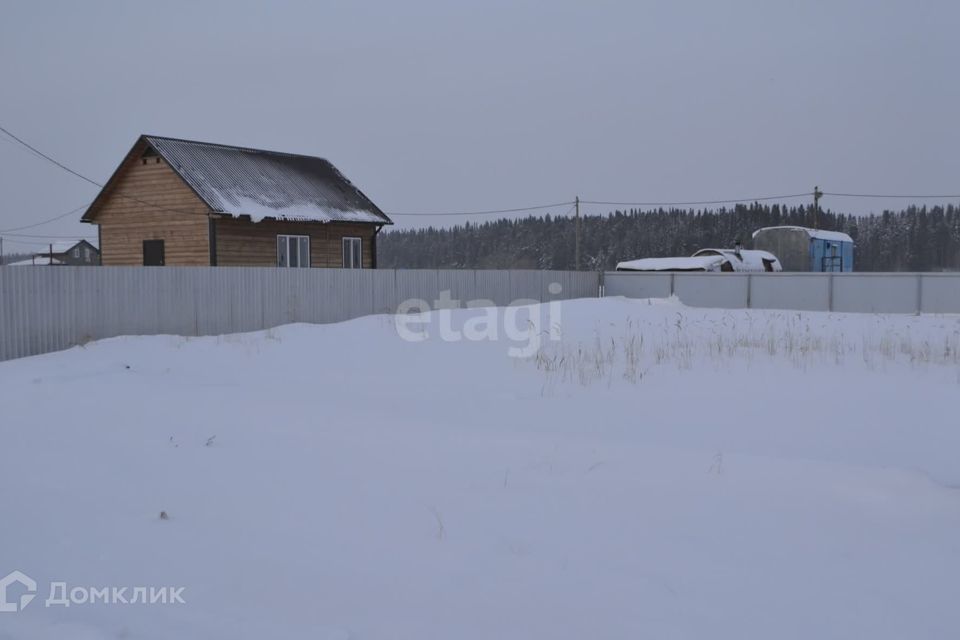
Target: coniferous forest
[913, 239]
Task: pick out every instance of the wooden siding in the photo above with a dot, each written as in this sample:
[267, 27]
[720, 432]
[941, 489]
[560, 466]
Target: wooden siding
[125, 223]
[244, 243]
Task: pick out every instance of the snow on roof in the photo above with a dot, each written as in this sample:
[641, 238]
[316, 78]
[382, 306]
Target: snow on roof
[701, 263]
[267, 184]
[708, 260]
[820, 234]
[35, 262]
[745, 259]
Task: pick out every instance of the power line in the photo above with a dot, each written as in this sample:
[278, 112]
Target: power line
[7, 239]
[699, 202]
[481, 213]
[49, 159]
[888, 195]
[150, 204]
[52, 235]
[37, 224]
[91, 181]
[19, 148]
[417, 213]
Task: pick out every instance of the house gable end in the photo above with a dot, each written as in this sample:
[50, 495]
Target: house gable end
[147, 200]
[140, 194]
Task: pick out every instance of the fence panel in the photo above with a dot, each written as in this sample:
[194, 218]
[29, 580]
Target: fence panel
[648, 285]
[722, 290]
[876, 293]
[940, 293]
[176, 303]
[418, 284]
[384, 292]
[572, 284]
[213, 304]
[801, 291]
[494, 285]
[525, 286]
[461, 283]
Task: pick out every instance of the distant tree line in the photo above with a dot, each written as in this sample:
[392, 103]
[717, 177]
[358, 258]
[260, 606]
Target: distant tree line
[914, 239]
[9, 258]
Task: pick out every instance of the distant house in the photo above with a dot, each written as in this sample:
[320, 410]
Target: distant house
[71, 253]
[180, 202]
[803, 249]
[721, 260]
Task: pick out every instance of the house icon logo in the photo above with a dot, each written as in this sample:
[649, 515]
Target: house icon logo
[17, 577]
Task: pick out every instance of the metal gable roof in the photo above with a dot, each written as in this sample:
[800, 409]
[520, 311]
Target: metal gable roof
[237, 181]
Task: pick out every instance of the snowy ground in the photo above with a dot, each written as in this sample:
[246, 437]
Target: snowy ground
[660, 472]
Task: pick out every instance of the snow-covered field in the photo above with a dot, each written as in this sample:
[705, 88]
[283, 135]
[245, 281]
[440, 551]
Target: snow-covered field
[659, 472]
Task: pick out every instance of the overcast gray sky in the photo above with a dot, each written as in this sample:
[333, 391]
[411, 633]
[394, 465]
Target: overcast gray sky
[439, 106]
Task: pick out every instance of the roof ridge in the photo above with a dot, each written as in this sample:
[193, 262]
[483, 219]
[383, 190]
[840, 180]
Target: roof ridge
[150, 136]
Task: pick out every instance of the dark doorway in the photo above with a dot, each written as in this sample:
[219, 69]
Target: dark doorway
[153, 253]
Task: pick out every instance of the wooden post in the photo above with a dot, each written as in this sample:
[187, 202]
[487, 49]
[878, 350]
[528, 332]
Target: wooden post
[816, 207]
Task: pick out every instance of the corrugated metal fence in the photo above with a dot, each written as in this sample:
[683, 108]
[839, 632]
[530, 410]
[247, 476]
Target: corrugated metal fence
[848, 292]
[46, 309]
[50, 308]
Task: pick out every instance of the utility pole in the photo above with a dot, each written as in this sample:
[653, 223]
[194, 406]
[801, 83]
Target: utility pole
[1, 251]
[576, 203]
[817, 194]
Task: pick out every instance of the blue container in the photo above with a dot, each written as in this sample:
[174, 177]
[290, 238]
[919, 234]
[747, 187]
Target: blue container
[830, 255]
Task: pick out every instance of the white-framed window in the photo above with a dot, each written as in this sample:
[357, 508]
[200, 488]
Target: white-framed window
[293, 251]
[352, 253]
[76, 252]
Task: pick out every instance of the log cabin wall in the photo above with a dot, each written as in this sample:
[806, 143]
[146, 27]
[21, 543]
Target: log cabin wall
[244, 243]
[178, 216]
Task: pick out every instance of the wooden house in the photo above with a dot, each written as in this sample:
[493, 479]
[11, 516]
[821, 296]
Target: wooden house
[69, 252]
[180, 202]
